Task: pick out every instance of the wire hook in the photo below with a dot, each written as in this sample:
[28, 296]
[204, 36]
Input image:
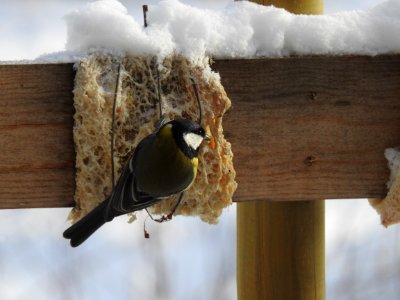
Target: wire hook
[113, 125]
[196, 92]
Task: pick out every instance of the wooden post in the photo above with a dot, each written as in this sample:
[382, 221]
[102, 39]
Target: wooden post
[281, 245]
[308, 7]
[281, 250]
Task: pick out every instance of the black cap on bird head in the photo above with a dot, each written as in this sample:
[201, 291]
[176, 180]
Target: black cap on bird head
[188, 135]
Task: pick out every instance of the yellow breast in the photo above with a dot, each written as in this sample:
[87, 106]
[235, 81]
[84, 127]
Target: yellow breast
[162, 168]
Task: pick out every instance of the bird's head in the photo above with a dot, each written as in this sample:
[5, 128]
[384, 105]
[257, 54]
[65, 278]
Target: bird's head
[188, 135]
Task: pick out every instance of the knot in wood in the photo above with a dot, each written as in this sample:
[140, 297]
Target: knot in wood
[313, 96]
[310, 160]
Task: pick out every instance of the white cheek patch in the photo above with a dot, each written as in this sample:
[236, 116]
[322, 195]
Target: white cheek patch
[193, 140]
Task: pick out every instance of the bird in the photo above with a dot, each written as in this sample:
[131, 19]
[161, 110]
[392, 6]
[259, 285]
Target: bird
[163, 164]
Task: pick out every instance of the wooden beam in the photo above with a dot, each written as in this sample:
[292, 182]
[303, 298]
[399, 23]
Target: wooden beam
[300, 127]
[312, 127]
[36, 117]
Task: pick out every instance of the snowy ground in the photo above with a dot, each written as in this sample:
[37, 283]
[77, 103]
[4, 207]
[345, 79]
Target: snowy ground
[183, 257]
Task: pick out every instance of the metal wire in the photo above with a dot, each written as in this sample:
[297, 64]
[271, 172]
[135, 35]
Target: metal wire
[113, 126]
[159, 92]
[196, 92]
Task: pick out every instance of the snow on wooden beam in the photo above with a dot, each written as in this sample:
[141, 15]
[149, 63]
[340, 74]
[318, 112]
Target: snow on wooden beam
[301, 128]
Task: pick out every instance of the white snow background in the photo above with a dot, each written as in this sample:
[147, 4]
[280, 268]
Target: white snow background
[186, 258]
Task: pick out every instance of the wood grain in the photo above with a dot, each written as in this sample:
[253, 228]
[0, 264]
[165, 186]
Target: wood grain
[280, 250]
[300, 127]
[280, 245]
[36, 119]
[296, 6]
[312, 127]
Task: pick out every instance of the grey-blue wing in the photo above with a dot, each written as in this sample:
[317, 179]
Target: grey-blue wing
[125, 198]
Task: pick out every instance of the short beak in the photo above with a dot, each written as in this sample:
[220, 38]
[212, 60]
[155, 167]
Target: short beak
[207, 137]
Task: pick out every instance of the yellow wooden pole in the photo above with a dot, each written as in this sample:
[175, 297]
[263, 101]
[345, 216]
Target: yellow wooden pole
[308, 7]
[281, 245]
[280, 252]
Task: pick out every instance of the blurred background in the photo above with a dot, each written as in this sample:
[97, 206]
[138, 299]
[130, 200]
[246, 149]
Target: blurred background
[184, 258]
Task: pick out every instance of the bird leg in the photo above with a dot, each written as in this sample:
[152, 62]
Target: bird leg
[168, 217]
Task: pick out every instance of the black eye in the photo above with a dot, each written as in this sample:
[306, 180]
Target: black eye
[200, 131]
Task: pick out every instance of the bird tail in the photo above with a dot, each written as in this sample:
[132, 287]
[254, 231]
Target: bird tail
[84, 228]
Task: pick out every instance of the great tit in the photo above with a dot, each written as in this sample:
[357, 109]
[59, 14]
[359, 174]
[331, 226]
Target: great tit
[163, 164]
